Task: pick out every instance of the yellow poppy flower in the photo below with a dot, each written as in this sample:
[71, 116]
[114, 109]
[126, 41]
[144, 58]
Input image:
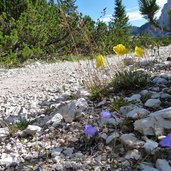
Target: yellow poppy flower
[139, 52]
[120, 49]
[99, 61]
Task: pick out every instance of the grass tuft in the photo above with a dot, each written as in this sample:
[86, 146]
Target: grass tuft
[128, 80]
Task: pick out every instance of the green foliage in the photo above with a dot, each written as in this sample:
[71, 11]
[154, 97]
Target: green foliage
[12, 129]
[148, 8]
[144, 98]
[120, 19]
[119, 27]
[128, 80]
[101, 37]
[169, 13]
[21, 125]
[13, 8]
[97, 92]
[119, 102]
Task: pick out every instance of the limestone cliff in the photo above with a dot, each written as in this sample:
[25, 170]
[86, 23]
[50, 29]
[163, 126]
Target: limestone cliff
[164, 18]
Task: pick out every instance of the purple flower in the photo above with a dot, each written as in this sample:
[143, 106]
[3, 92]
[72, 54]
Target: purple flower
[166, 142]
[89, 130]
[105, 114]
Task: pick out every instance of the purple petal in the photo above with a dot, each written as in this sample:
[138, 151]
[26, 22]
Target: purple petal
[105, 114]
[89, 130]
[166, 142]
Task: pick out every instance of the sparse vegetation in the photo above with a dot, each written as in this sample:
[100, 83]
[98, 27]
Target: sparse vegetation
[22, 124]
[119, 102]
[128, 80]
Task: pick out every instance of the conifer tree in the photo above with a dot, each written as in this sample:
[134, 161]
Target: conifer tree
[119, 26]
[119, 16]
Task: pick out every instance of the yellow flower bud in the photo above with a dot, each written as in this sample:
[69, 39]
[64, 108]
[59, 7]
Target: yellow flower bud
[120, 49]
[139, 52]
[99, 61]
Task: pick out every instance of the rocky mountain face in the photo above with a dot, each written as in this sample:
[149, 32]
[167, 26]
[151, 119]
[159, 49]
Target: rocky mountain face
[164, 18]
[152, 31]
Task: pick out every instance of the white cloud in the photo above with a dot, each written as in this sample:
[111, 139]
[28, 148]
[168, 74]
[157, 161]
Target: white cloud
[133, 16]
[106, 18]
[161, 2]
[133, 8]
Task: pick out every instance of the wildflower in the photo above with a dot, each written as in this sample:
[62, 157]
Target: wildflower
[99, 61]
[105, 114]
[166, 142]
[139, 52]
[120, 49]
[89, 130]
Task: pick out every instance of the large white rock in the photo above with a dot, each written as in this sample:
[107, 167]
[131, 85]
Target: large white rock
[156, 121]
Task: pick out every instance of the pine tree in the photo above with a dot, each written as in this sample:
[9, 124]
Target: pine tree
[120, 17]
[119, 26]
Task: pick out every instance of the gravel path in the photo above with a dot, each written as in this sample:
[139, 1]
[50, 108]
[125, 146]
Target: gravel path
[37, 77]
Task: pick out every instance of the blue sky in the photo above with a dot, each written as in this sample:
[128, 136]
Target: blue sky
[94, 8]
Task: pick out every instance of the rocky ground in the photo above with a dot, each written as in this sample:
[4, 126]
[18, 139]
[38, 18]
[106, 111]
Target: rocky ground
[43, 111]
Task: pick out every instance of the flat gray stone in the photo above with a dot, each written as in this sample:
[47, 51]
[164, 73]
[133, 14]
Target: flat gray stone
[56, 152]
[138, 113]
[135, 97]
[159, 80]
[145, 167]
[153, 103]
[111, 137]
[71, 110]
[4, 132]
[134, 154]
[163, 165]
[32, 129]
[126, 109]
[150, 146]
[155, 123]
[56, 119]
[131, 141]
